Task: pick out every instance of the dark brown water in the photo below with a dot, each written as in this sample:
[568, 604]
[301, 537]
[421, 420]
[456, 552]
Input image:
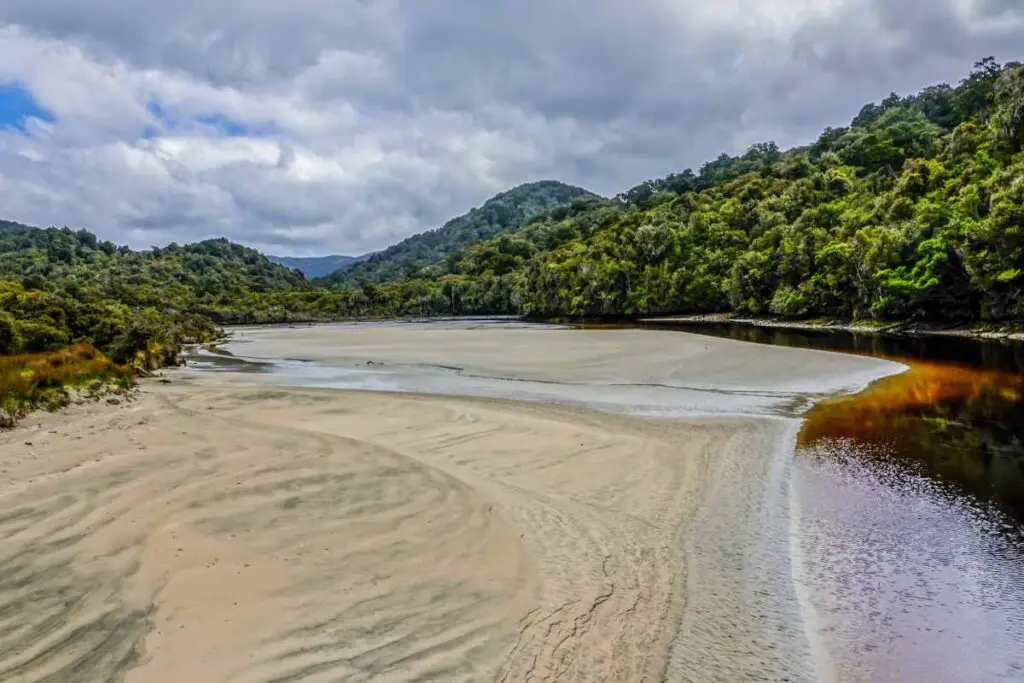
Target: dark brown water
[965, 351]
[955, 418]
[907, 505]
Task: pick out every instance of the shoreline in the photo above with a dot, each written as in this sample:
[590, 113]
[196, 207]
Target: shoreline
[521, 538]
[595, 359]
[1010, 332]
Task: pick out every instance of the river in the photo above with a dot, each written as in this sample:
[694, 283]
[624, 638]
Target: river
[904, 502]
[908, 509]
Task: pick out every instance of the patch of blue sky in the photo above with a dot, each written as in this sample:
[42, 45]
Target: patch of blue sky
[224, 125]
[18, 106]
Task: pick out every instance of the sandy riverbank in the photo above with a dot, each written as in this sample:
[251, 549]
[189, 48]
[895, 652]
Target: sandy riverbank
[211, 531]
[602, 358]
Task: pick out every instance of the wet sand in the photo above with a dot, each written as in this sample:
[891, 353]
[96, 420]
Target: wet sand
[213, 530]
[624, 357]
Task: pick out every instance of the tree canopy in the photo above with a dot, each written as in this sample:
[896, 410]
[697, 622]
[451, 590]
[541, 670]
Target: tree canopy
[915, 211]
[59, 287]
[499, 214]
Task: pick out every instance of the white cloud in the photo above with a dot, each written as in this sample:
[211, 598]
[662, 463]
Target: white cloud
[321, 126]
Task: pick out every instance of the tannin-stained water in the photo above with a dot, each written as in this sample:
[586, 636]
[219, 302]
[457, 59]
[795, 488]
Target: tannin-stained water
[956, 417]
[959, 426]
[903, 579]
[908, 512]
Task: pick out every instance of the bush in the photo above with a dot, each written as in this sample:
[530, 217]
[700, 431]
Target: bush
[789, 302]
[11, 341]
[39, 336]
[32, 381]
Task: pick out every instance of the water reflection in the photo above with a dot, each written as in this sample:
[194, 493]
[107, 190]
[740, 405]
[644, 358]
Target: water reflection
[908, 511]
[954, 424]
[957, 416]
[970, 352]
[904, 579]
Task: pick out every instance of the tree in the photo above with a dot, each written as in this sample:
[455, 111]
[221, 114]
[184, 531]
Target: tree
[976, 94]
[1008, 117]
[10, 336]
[938, 104]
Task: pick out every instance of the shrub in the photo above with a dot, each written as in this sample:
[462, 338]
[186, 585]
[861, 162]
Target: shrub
[10, 336]
[788, 301]
[42, 380]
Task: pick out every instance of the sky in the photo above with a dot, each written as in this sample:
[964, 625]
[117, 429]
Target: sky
[341, 126]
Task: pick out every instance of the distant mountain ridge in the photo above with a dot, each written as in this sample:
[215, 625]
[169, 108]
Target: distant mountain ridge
[499, 214]
[317, 266]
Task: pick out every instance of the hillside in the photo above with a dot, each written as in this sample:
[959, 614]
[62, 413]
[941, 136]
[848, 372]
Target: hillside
[59, 287]
[915, 211]
[499, 214]
[316, 266]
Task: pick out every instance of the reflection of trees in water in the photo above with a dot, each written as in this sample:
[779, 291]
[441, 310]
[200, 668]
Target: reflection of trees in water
[966, 351]
[957, 416]
[959, 425]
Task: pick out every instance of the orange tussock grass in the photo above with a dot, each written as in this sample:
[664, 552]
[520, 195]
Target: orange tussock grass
[30, 381]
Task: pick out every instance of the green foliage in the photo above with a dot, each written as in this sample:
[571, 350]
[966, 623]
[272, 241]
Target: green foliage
[976, 94]
[59, 287]
[1009, 112]
[11, 340]
[788, 301]
[914, 211]
[499, 214]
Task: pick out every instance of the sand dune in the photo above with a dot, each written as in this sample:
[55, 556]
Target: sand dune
[214, 532]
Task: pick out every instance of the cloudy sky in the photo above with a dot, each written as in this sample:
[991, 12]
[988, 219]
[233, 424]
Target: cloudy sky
[318, 126]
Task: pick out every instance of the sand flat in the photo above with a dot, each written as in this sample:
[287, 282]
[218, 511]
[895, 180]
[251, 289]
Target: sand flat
[564, 355]
[212, 531]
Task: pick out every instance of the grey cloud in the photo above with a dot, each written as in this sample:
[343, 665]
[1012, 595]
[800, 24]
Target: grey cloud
[911, 41]
[224, 42]
[393, 116]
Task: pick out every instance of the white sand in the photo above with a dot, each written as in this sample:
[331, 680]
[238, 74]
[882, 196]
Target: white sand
[625, 356]
[216, 532]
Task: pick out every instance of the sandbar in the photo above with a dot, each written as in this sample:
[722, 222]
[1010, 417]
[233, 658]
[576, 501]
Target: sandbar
[213, 530]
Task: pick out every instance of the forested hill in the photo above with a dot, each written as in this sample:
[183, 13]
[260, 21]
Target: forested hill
[55, 259]
[915, 211]
[499, 214]
[58, 287]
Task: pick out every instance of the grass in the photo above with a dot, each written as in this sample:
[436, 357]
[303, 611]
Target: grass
[44, 380]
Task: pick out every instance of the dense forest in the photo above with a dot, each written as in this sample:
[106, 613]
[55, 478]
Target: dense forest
[499, 214]
[915, 211]
[80, 313]
[59, 287]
